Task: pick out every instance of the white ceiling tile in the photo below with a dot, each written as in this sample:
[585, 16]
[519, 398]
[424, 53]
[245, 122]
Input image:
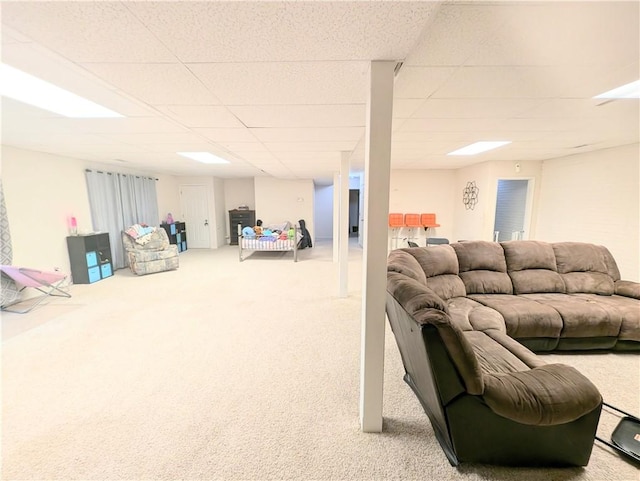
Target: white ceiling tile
[308, 134]
[263, 31]
[87, 31]
[505, 82]
[301, 115]
[420, 82]
[160, 139]
[405, 108]
[448, 125]
[202, 116]
[242, 147]
[474, 108]
[263, 83]
[227, 135]
[310, 146]
[320, 156]
[537, 34]
[456, 33]
[155, 84]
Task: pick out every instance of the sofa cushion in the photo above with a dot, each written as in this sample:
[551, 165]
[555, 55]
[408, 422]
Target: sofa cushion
[524, 318]
[532, 267]
[585, 267]
[470, 315]
[581, 315]
[440, 267]
[401, 261]
[625, 307]
[483, 268]
[492, 356]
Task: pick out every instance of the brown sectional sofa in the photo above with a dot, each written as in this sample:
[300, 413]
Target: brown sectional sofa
[467, 317]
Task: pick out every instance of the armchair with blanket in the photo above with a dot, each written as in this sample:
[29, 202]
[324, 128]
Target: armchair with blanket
[147, 250]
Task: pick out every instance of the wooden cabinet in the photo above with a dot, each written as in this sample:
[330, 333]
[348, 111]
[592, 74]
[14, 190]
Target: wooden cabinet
[90, 257]
[247, 218]
[177, 233]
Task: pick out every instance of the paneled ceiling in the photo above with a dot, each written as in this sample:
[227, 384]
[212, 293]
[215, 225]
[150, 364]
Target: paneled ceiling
[280, 88]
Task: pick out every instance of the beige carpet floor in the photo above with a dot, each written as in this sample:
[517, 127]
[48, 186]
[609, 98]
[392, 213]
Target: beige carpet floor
[233, 371]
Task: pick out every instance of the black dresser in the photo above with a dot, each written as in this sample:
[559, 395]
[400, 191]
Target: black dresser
[245, 217]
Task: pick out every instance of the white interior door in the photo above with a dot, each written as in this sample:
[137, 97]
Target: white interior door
[195, 210]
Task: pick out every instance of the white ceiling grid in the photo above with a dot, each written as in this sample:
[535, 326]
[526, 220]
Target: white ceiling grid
[280, 88]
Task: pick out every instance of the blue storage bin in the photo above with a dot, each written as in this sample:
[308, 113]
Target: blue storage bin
[92, 259]
[173, 229]
[184, 246]
[94, 274]
[106, 270]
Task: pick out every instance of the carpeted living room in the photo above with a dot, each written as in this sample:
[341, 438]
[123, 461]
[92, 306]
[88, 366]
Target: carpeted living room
[165, 377]
[223, 361]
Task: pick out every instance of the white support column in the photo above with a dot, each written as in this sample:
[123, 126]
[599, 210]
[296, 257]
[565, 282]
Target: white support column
[343, 258]
[376, 212]
[336, 215]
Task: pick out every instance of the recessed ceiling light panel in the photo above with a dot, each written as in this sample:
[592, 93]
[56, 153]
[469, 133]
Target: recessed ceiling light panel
[628, 91]
[31, 90]
[479, 147]
[204, 157]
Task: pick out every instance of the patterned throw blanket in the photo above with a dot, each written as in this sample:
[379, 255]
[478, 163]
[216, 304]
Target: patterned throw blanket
[141, 233]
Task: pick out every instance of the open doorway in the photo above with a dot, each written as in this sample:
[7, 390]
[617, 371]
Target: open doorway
[513, 209]
[354, 212]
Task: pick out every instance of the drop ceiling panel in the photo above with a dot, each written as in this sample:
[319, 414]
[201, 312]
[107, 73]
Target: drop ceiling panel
[353, 115]
[474, 108]
[537, 34]
[310, 146]
[155, 84]
[202, 116]
[405, 108]
[263, 83]
[421, 82]
[263, 31]
[507, 82]
[87, 31]
[227, 135]
[290, 156]
[448, 125]
[456, 33]
[160, 139]
[308, 134]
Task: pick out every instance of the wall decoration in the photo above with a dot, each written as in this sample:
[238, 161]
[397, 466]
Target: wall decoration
[470, 195]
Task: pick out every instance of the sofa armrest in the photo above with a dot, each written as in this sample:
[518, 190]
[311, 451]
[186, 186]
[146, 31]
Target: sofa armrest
[546, 395]
[627, 289]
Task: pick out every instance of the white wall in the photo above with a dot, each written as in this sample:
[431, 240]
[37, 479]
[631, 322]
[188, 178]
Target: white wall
[594, 197]
[238, 192]
[221, 217]
[42, 191]
[424, 191]
[323, 212]
[279, 200]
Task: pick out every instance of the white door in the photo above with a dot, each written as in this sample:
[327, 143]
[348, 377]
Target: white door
[195, 212]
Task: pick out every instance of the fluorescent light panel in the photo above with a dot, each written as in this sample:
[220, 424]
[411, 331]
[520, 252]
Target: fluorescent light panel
[628, 91]
[204, 157]
[479, 147]
[31, 90]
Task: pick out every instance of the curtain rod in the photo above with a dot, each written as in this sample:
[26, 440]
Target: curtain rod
[119, 173]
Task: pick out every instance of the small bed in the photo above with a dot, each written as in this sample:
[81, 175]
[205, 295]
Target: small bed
[285, 237]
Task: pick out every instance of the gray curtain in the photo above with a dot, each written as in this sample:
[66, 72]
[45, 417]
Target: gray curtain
[118, 201]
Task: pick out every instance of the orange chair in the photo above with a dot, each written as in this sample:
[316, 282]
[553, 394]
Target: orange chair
[428, 221]
[396, 223]
[412, 221]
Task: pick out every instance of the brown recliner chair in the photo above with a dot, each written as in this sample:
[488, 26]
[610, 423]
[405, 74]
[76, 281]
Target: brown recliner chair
[489, 399]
